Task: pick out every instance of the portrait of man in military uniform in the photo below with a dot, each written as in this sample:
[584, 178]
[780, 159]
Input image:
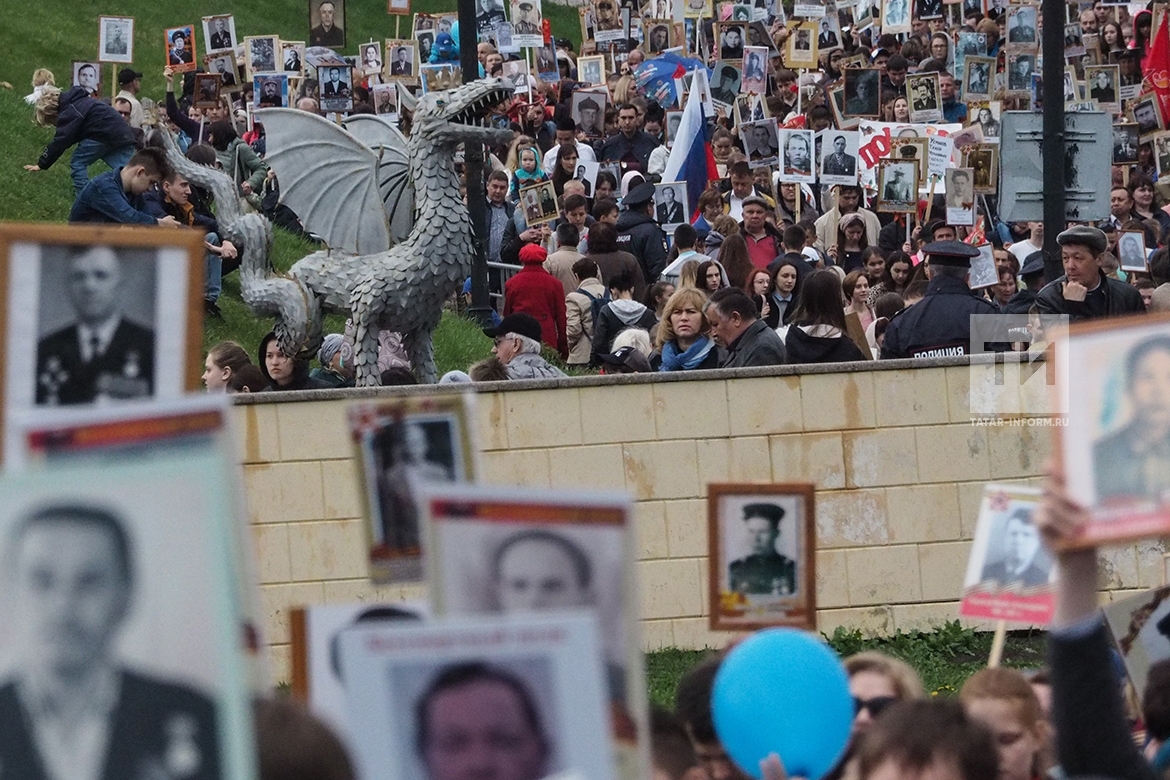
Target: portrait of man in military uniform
[764, 571]
[101, 354]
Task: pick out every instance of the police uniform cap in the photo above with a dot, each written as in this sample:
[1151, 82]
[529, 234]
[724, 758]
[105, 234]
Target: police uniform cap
[639, 196]
[1033, 263]
[526, 6]
[588, 103]
[1083, 235]
[770, 512]
[950, 253]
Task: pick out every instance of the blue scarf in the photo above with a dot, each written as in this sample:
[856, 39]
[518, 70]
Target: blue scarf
[673, 360]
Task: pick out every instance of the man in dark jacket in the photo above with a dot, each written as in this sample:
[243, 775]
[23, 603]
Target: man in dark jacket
[737, 327]
[1032, 272]
[630, 146]
[1084, 292]
[940, 324]
[117, 196]
[97, 128]
[639, 234]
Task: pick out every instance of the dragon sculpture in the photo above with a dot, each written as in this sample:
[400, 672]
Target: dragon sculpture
[351, 186]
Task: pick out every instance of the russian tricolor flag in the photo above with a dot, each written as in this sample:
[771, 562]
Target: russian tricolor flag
[690, 158]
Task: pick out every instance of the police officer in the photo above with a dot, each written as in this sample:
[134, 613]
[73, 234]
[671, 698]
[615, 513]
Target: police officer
[639, 234]
[939, 325]
[765, 571]
[1084, 292]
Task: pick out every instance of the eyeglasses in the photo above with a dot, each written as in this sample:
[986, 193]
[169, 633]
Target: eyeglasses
[876, 706]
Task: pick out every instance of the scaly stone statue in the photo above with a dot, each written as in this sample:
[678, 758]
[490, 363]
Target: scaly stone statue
[350, 188]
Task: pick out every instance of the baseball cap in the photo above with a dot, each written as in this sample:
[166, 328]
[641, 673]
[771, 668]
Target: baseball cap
[126, 75]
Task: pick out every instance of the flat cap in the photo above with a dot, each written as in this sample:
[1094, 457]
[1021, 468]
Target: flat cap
[755, 200]
[1033, 263]
[1083, 235]
[639, 196]
[950, 253]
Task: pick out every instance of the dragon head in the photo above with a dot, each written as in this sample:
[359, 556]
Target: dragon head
[459, 115]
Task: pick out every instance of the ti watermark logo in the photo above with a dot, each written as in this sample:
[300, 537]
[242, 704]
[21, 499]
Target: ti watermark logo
[1013, 374]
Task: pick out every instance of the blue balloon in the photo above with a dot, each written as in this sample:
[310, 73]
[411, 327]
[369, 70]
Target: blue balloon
[783, 691]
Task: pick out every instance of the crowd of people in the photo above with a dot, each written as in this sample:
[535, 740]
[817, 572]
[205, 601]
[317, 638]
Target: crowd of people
[776, 261]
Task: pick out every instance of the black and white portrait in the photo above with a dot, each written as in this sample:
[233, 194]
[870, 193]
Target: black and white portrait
[1074, 40]
[960, 199]
[488, 14]
[1015, 555]
[755, 74]
[761, 555]
[336, 88]
[589, 113]
[862, 88]
[928, 9]
[670, 204]
[925, 97]
[327, 24]
[219, 32]
[88, 595]
[1021, 25]
[426, 42]
[731, 36]
[385, 97]
[87, 75]
[116, 39]
[658, 37]
[1131, 250]
[292, 57]
[516, 72]
[418, 696]
[587, 175]
[796, 149]
[725, 83]
[979, 81]
[839, 157]
[972, 43]
[982, 160]
[1020, 68]
[401, 57]
[1125, 143]
[224, 66]
[206, 90]
[829, 35]
[270, 91]
[402, 446]
[526, 23]
[896, 16]
[1101, 84]
[262, 51]
[801, 48]
[591, 70]
[673, 121]
[897, 186]
[761, 142]
[1147, 115]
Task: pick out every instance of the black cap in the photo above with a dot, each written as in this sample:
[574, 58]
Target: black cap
[770, 512]
[1033, 263]
[588, 103]
[1083, 235]
[954, 253]
[524, 324]
[628, 360]
[639, 196]
[126, 75]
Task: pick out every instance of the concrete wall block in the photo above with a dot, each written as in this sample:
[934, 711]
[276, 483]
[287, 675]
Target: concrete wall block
[618, 414]
[809, 457]
[284, 492]
[765, 405]
[923, 513]
[543, 418]
[851, 518]
[884, 575]
[837, 402]
[880, 457]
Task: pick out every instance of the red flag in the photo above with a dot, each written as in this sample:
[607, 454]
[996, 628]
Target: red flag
[1158, 66]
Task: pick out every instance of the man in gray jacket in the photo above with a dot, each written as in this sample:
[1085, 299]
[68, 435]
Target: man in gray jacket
[738, 328]
[517, 345]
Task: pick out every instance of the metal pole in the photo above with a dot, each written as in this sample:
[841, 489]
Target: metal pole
[473, 156]
[1052, 41]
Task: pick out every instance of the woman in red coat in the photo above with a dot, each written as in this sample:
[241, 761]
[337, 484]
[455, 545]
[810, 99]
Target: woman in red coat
[536, 292]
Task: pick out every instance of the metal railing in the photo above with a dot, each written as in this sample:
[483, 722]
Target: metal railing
[507, 271]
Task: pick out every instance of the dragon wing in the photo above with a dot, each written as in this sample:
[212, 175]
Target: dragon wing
[393, 169]
[329, 178]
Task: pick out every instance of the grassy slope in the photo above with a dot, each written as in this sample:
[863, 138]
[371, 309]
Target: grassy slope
[53, 33]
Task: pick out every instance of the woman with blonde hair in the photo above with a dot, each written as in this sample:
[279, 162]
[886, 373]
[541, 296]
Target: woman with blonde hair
[683, 343]
[876, 682]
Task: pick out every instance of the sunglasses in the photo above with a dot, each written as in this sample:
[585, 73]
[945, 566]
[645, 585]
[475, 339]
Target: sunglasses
[876, 706]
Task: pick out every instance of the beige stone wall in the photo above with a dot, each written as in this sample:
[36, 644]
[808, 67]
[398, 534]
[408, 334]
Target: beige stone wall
[898, 465]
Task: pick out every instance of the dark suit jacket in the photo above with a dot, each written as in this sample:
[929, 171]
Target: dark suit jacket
[400, 69]
[1118, 469]
[670, 213]
[125, 370]
[152, 722]
[221, 41]
[1030, 577]
[184, 59]
[327, 89]
[334, 37]
[846, 166]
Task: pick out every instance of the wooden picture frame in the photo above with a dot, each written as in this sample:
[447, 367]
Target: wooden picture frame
[260, 55]
[207, 87]
[857, 105]
[119, 47]
[398, 7]
[800, 50]
[983, 160]
[155, 353]
[1131, 251]
[539, 202]
[971, 93]
[215, 40]
[184, 58]
[925, 97]
[223, 64]
[897, 186]
[1146, 112]
[404, 72]
[761, 587]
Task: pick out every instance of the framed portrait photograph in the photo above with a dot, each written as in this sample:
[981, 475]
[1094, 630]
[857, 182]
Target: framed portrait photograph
[292, 58]
[960, 198]
[1010, 576]
[206, 90]
[546, 67]
[1112, 443]
[983, 272]
[402, 7]
[1125, 143]
[987, 118]
[588, 111]
[839, 156]
[1101, 85]
[694, 9]
[591, 70]
[527, 30]
[487, 545]
[916, 150]
[402, 60]
[587, 174]
[1020, 68]
[925, 97]
[336, 85]
[659, 36]
[761, 557]
[88, 75]
[516, 73]
[1141, 630]
[673, 121]
[327, 24]
[219, 32]
[897, 186]
[971, 135]
[928, 9]
[417, 694]
[224, 66]
[796, 156]
[140, 289]
[607, 21]
[801, 47]
[896, 16]
[862, 93]
[1074, 41]
[539, 202]
[385, 97]
[260, 53]
[761, 142]
[755, 70]
[729, 39]
[725, 84]
[757, 33]
[1161, 143]
[971, 44]
[1131, 251]
[750, 108]
[978, 78]
[670, 204]
[271, 91]
[116, 39]
[983, 160]
[828, 34]
[180, 48]
[425, 40]
[1021, 27]
[114, 555]
[837, 104]
[370, 58]
[439, 76]
[401, 444]
[1147, 114]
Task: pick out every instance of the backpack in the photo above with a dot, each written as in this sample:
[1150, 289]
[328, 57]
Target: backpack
[596, 303]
